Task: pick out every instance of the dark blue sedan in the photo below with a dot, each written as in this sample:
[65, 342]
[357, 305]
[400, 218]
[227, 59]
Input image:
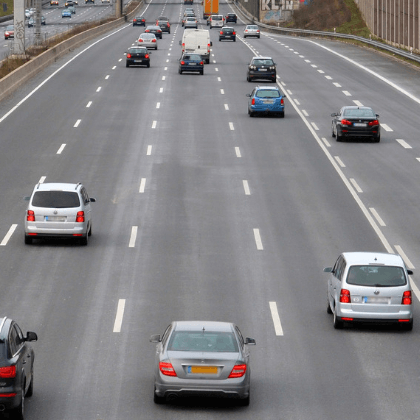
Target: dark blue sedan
[191, 62]
[266, 100]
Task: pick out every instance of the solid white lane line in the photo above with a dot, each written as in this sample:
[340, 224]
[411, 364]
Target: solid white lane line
[8, 235]
[232, 128]
[89, 104]
[154, 124]
[61, 149]
[386, 127]
[238, 152]
[76, 124]
[346, 92]
[99, 89]
[133, 237]
[276, 319]
[258, 240]
[358, 103]
[42, 179]
[340, 162]
[246, 187]
[377, 217]
[404, 144]
[142, 185]
[149, 150]
[119, 316]
[356, 185]
[326, 142]
[408, 263]
[314, 126]
[158, 105]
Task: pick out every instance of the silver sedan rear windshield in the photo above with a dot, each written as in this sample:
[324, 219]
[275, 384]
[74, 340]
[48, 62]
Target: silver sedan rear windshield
[207, 341]
[376, 276]
[56, 199]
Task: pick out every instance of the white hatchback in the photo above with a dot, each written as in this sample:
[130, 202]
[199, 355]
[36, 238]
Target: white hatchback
[370, 287]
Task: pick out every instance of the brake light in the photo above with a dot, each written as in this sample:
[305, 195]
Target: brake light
[8, 372]
[146, 56]
[281, 101]
[253, 101]
[134, 20]
[374, 122]
[128, 55]
[406, 299]
[31, 216]
[11, 395]
[167, 369]
[345, 296]
[221, 32]
[234, 33]
[167, 25]
[140, 40]
[258, 30]
[80, 218]
[346, 122]
[201, 63]
[238, 371]
[153, 40]
[147, 30]
[182, 63]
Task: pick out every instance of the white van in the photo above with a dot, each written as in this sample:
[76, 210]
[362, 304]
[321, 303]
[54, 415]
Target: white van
[197, 41]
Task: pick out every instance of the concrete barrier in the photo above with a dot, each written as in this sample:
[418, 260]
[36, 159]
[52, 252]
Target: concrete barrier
[18, 77]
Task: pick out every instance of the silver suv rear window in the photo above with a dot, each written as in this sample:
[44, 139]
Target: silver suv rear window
[56, 199]
[376, 276]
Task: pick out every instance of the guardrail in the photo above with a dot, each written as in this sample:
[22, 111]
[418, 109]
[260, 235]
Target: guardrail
[306, 32]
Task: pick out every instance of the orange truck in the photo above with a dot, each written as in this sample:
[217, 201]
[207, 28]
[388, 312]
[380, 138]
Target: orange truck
[211, 7]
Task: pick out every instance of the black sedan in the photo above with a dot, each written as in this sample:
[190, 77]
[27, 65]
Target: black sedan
[191, 63]
[227, 33]
[139, 21]
[261, 68]
[356, 121]
[138, 56]
[231, 17]
[154, 29]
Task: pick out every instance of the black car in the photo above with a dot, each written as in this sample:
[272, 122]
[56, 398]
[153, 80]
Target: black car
[227, 33]
[356, 121]
[191, 62]
[153, 29]
[261, 68]
[164, 25]
[16, 367]
[139, 21]
[231, 17]
[31, 21]
[138, 56]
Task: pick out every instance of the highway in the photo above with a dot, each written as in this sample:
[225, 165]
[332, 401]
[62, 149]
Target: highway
[205, 213]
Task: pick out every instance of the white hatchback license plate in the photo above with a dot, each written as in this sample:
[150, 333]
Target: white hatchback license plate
[360, 124]
[55, 218]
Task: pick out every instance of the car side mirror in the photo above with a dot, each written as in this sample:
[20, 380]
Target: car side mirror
[410, 272]
[250, 341]
[92, 200]
[328, 270]
[27, 198]
[248, 95]
[180, 42]
[333, 114]
[377, 115]
[31, 336]
[211, 43]
[155, 338]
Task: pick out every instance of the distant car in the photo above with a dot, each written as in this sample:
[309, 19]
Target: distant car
[66, 13]
[9, 32]
[69, 3]
[153, 29]
[191, 22]
[31, 21]
[28, 14]
[54, 3]
[139, 21]
[89, 1]
[228, 33]
[137, 56]
[106, 1]
[356, 121]
[191, 63]
[189, 10]
[72, 9]
[266, 100]
[216, 21]
[59, 210]
[17, 368]
[251, 30]
[164, 25]
[370, 287]
[231, 17]
[163, 18]
[261, 68]
[148, 40]
[187, 15]
[202, 358]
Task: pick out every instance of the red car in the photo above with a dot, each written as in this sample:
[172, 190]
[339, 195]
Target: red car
[9, 32]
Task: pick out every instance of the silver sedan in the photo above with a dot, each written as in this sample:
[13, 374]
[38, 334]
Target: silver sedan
[147, 40]
[202, 358]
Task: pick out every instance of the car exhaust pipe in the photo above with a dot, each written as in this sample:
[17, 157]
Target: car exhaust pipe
[171, 397]
[2, 407]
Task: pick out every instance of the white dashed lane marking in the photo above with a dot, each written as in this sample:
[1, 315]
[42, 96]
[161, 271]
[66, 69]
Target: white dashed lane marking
[119, 316]
[276, 319]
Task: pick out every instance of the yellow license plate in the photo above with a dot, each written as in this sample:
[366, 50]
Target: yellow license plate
[212, 370]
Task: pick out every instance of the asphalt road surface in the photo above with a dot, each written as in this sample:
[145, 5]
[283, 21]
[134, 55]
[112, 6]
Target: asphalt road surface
[205, 213]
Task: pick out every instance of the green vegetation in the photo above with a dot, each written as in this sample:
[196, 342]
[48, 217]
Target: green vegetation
[9, 6]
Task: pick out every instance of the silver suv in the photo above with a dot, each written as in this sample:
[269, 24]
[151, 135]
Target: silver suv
[370, 287]
[59, 210]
